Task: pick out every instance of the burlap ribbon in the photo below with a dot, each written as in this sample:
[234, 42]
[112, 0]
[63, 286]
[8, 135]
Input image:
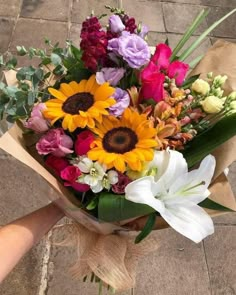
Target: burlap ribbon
[112, 258]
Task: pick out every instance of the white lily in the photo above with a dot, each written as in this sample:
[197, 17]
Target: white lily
[176, 193]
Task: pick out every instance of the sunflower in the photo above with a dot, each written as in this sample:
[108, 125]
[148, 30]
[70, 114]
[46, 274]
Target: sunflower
[128, 140]
[79, 104]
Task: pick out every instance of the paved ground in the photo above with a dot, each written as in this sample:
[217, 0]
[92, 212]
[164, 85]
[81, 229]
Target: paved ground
[179, 267]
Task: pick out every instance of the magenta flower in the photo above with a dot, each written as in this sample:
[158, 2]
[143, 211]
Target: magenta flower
[152, 83]
[71, 175]
[111, 75]
[36, 121]
[177, 70]
[153, 76]
[162, 56]
[83, 142]
[116, 25]
[55, 142]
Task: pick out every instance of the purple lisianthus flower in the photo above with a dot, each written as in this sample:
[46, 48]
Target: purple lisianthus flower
[143, 31]
[116, 25]
[122, 102]
[111, 75]
[132, 48]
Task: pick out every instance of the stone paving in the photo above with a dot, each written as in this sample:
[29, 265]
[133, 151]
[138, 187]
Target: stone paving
[179, 267]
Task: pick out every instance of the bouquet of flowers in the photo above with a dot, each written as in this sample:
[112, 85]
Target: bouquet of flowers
[123, 129]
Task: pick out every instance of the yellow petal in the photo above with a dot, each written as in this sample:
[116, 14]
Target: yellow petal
[66, 120]
[103, 92]
[82, 85]
[57, 94]
[74, 86]
[90, 83]
[66, 89]
[146, 143]
[119, 164]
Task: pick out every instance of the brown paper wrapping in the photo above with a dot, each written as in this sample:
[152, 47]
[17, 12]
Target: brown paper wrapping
[113, 257]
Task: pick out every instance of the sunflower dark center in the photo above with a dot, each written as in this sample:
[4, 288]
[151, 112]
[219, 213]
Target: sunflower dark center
[78, 102]
[119, 140]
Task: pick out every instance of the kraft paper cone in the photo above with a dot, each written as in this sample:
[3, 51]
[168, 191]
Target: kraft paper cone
[220, 59]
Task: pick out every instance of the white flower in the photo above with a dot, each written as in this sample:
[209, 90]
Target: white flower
[94, 174]
[212, 104]
[201, 86]
[176, 193]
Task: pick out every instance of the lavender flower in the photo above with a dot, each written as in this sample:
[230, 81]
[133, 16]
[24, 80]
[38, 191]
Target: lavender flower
[116, 25]
[143, 31]
[123, 101]
[111, 75]
[132, 48]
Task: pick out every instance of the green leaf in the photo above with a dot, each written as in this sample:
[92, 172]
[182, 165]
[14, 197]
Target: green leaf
[187, 83]
[21, 98]
[31, 98]
[197, 21]
[59, 70]
[11, 63]
[208, 141]
[195, 44]
[147, 228]
[194, 62]
[76, 52]
[112, 208]
[93, 204]
[56, 59]
[209, 204]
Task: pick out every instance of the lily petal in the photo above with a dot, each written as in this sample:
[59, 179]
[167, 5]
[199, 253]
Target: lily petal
[141, 191]
[193, 185]
[190, 221]
[177, 166]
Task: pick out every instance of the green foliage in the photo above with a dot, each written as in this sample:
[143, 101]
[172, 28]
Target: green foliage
[206, 142]
[147, 228]
[112, 208]
[64, 64]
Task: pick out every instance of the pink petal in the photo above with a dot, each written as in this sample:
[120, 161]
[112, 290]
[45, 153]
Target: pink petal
[162, 55]
[178, 70]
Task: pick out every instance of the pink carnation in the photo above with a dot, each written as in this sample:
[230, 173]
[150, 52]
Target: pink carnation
[55, 142]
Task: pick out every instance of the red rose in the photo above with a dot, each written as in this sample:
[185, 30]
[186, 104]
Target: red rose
[71, 174]
[83, 142]
[57, 164]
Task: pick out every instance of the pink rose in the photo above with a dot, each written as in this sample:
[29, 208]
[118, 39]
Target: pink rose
[178, 70]
[57, 164]
[55, 142]
[83, 142]
[152, 83]
[36, 122]
[162, 56]
[71, 174]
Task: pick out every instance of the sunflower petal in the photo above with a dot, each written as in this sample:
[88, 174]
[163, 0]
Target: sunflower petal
[56, 93]
[104, 92]
[90, 83]
[66, 89]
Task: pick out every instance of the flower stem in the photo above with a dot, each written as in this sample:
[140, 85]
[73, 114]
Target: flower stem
[100, 288]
